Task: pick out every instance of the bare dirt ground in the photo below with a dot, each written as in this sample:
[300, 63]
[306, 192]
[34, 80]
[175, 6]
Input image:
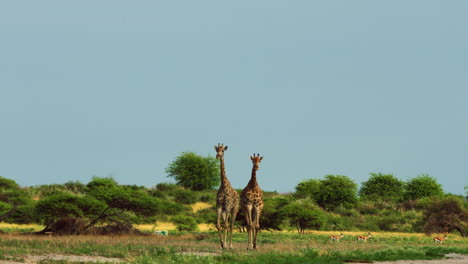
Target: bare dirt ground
[451, 259]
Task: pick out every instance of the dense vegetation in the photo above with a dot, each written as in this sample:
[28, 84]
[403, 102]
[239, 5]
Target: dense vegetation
[382, 203]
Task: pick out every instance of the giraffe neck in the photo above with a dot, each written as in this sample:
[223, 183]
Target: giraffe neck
[253, 179]
[224, 180]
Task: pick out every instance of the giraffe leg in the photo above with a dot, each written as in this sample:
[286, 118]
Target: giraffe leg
[256, 226]
[248, 218]
[225, 226]
[250, 241]
[233, 220]
[218, 226]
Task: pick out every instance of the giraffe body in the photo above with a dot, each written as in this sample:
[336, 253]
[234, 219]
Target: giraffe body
[227, 203]
[252, 204]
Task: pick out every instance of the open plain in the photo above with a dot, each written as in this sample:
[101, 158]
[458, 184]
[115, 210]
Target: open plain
[203, 247]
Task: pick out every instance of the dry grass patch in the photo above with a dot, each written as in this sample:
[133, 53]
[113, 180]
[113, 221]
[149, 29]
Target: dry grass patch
[20, 227]
[170, 227]
[200, 206]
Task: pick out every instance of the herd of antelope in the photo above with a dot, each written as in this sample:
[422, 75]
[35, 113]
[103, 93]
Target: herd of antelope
[365, 238]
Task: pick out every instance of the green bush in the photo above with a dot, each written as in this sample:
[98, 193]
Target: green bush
[338, 223]
[172, 208]
[207, 215]
[367, 207]
[368, 223]
[336, 191]
[389, 223]
[272, 216]
[25, 214]
[346, 211]
[308, 189]
[422, 186]
[185, 223]
[185, 196]
[167, 187]
[304, 214]
[208, 197]
[381, 187]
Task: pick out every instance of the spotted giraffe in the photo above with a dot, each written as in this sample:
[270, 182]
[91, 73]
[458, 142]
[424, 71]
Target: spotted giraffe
[252, 203]
[227, 202]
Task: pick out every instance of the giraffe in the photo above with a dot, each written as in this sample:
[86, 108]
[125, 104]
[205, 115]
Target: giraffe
[227, 202]
[252, 204]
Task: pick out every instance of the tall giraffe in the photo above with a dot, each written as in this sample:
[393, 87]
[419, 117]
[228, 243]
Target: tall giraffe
[227, 202]
[252, 203]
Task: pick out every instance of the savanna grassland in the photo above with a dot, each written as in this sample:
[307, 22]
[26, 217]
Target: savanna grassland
[104, 221]
[203, 247]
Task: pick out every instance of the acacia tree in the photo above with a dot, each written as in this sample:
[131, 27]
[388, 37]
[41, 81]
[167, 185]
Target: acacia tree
[194, 172]
[446, 215]
[382, 187]
[121, 201]
[104, 201]
[422, 186]
[64, 204]
[11, 197]
[337, 190]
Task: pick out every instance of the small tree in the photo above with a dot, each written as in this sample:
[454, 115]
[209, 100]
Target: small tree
[382, 187]
[422, 186]
[308, 189]
[303, 214]
[194, 172]
[337, 190]
[185, 223]
[446, 215]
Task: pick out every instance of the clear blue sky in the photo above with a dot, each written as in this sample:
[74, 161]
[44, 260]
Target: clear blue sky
[99, 88]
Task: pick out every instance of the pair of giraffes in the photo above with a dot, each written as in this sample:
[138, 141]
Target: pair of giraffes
[227, 203]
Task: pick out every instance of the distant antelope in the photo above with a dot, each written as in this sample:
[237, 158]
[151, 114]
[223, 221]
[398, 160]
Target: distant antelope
[364, 238]
[440, 239]
[336, 238]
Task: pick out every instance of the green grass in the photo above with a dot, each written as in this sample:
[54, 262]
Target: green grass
[276, 247]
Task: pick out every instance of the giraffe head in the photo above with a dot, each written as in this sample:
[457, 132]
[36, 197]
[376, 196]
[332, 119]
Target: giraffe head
[220, 150]
[256, 160]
